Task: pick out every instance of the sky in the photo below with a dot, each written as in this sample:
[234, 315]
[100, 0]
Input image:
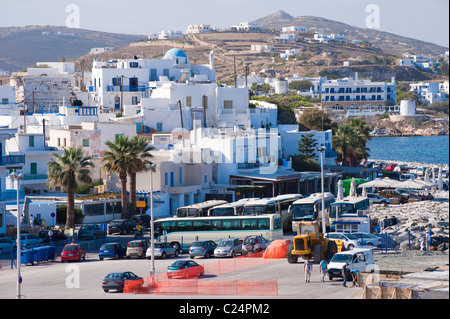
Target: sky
[423, 20]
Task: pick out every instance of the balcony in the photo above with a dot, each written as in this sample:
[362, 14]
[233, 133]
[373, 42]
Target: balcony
[11, 194]
[126, 88]
[12, 160]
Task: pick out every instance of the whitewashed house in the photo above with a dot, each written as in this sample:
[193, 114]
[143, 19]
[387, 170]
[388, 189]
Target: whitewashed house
[198, 28]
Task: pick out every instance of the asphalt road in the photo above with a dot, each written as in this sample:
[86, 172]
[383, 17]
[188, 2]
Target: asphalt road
[82, 280]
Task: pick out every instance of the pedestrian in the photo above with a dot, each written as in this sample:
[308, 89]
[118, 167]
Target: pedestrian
[354, 273]
[345, 274]
[31, 220]
[428, 240]
[422, 244]
[307, 267]
[323, 269]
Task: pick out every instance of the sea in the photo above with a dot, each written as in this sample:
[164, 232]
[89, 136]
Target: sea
[421, 149]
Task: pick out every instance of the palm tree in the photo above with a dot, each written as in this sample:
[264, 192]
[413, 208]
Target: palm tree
[350, 142]
[139, 157]
[66, 170]
[117, 160]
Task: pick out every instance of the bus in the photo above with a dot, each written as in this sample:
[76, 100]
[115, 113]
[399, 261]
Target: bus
[310, 208]
[229, 209]
[196, 210]
[354, 205]
[275, 205]
[184, 231]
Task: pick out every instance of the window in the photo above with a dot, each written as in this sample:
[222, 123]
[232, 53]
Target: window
[166, 178]
[31, 141]
[117, 81]
[33, 168]
[5, 100]
[159, 126]
[134, 100]
[181, 175]
[189, 101]
[206, 178]
[228, 104]
[172, 179]
[264, 223]
[85, 142]
[134, 64]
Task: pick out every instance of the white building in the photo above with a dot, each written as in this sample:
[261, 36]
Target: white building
[293, 28]
[430, 92]
[354, 97]
[287, 37]
[325, 38]
[262, 48]
[101, 50]
[198, 28]
[248, 26]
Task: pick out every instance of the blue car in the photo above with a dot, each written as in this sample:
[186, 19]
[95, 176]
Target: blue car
[112, 250]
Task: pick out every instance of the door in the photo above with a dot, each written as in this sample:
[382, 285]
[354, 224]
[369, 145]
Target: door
[117, 102]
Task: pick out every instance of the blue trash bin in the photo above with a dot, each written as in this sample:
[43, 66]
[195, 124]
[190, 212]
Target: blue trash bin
[51, 253]
[37, 253]
[26, 256]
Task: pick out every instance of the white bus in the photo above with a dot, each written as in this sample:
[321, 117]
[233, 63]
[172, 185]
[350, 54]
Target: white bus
[310, 208]
[276, 205]
[198, 210]
[185, 231]
[229, 209]
[353, 205]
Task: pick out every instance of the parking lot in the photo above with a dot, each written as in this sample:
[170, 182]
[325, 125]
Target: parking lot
[82, 280]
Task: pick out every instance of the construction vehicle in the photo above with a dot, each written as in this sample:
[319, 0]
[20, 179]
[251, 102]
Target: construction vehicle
[310, 242]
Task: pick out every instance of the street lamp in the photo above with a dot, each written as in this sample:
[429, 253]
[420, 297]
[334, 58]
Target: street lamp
[152, 228]
[17, 177]
[321, 149]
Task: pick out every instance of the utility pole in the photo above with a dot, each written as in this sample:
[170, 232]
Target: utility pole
[121, 95]
[247, 73]
[235, 76]
[181, 118]
[204, 102]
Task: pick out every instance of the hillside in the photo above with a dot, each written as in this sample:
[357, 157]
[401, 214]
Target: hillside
[388, 41]
[21, 47]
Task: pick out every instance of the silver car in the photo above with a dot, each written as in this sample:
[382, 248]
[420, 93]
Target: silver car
[228, 248]
[349, 241]
[162, 250]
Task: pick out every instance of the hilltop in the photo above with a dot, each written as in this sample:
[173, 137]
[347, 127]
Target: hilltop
[388, 41]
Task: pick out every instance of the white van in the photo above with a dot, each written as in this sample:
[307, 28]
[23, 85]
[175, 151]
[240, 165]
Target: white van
[407, 176]
[360, 259]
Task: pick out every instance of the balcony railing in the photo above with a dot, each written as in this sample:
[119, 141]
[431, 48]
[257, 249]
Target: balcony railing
[12, 160]
[126, 88]
[11, 194]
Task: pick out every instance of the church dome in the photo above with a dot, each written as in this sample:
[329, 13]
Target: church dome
[175, 53]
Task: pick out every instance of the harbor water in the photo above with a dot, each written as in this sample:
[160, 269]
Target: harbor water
[421, 149]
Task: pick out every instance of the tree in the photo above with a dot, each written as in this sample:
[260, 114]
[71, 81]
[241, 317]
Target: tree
[312, 119]
[350, 142]
[139, 157]
[302, 85]
[307, 146]
[67, 170]
[116, 160]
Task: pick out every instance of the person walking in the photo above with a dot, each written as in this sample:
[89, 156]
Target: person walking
[428, 240]
[345, 273]
[323, 269]
[31, 220]
[307, 267]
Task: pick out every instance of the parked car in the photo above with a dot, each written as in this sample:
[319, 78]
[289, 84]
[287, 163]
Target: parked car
[253, 244]
[112, 250]
[360, 259]
[116, 280]
[202, 248]
[28, 241]
[374, 198]
[393, 193]
[73, 252]
[122, 226]
[56, 235]
[135, 219]
[6, 245]
[185, 269]
[91, 232]
[162, 250]
[137, 248]
[228, 247]
[366, 239]
[349, 241]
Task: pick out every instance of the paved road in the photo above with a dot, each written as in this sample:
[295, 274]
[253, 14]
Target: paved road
[57, 280]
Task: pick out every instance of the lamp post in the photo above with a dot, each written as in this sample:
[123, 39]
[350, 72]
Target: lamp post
[321, 149]
[17, 177]
[152, 228]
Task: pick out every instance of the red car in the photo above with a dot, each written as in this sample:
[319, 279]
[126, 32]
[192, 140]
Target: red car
[72, 252]
[185, 269]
